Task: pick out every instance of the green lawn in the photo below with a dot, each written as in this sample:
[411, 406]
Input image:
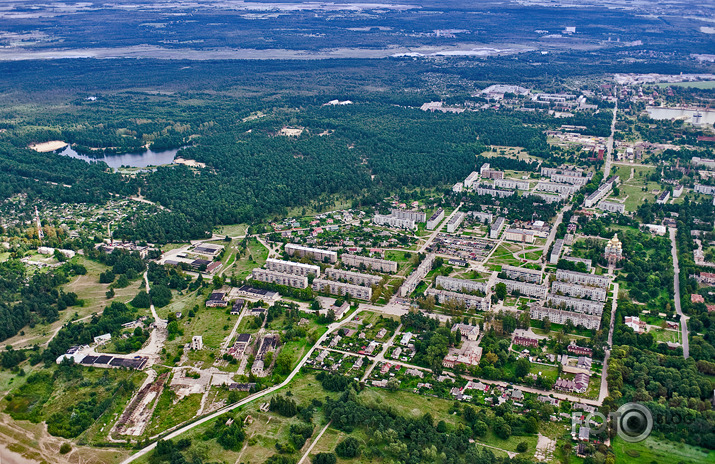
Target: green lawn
[661, 451]
[697, 85]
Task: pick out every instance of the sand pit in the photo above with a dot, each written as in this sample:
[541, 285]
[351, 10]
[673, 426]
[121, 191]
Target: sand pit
[46, 147]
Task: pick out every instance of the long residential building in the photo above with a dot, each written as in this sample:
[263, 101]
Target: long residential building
[565, 189]
[524, 288]
[512, 184]
[280, 278]
[570, 177]
[454, 222]
[519, 235]
[484, 218]
[417, 216]
[393, 221]
[601, 192]
[556, 251]
[582, 278]
[612, 206]
[520, 273]
[413, 280]
[575, 304]
[494, 192]
[340, 288]
[550, 197]
[460, 285]
[579, 291]
[289, 267]
[435, 219]
[470, 301]
[317, 254]
[357, 278]
[560, 316]
[375, 264]
[587, 262]
[471, 178]
[705, 189]
[497, 227]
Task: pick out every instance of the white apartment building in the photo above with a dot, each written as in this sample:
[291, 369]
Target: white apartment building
[556, 251]
[435, 219]
[280, 278]
[582, 278]
[497, 227]
[524, 288]
[471, 178]
[484, 218]
[520, 273]
[417, 216]
[519, 235]
[289, 267]
[612, 206]
[357, 278]
[454, 222]
[494, 192]
[601, 192]
[512, 184]
[470, 301]
[411, 282]
[559, 316]
[340, 288]
[460, 285]
[375, 264]
[392, 221]
[317, 254]
[564, 189]
[705, 189]
[550, 197]
[575, 304]
[587, 262]
[579, 291]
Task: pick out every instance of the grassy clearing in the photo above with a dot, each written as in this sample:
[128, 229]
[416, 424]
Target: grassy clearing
[661, 451]
[254, 256]
[697, 85]
[234, 230]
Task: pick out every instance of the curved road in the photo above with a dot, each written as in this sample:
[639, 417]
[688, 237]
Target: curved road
[249, 398]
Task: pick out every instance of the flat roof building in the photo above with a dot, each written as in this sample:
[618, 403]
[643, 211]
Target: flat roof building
[340, 288]
[290, 280]
[497, 227]
[470, 301]
[521, 273]
[289, 267]
[460, 285]
[357, 278]
[317, 254]
[435, 219]
[381, 265]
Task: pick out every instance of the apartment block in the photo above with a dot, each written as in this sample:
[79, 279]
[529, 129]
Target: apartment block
[587, 262]
[435, 219]
[290, 280]
[556, 251]
[511, 184]
[575, 304]
[417, 216]
[497, 227]
[579, 291]
[570, 177]
[471, 178]
[550, 197]
[484, 218]
[612, 206]
[454, 222]
[601, 192]
[582, 278]
[705, 189]
[524, 288]
[289, 267]
[519, 235]
[559, 316]
[520, 273]
[470, 301]
[564, 189]
[494, 192]
[313, 253]
[417, 275]
[357, 278]
[340, 288]
[460, 285]
[392, 221]
[375, 264]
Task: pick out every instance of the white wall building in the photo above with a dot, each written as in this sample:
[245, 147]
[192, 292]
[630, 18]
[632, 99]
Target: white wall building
[375, 264]
[289, 267]
[280, 278]
[460, 285]
[317, 254]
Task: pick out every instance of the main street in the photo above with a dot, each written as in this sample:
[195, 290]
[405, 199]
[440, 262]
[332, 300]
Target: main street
[676, 294]
[609, 144]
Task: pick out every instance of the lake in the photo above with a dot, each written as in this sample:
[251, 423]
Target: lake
[708, 117]
[135, 160]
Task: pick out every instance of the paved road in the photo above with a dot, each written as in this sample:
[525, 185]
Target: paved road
[249, 398]
[676, 287]
[552, 235]
[438, 229]
[609, 144]
[603, 393]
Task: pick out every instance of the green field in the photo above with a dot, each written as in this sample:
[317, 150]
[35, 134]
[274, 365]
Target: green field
[661, 451]
[696, 85]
